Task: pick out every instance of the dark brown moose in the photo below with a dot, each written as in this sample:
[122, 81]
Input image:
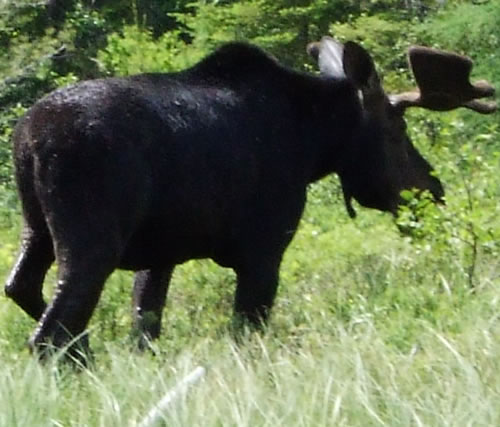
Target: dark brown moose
[145, 172]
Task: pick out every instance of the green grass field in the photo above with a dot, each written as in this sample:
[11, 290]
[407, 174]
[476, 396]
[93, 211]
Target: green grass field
[370, 327]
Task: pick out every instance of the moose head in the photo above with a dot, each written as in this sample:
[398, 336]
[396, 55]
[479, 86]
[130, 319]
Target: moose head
[382, 161]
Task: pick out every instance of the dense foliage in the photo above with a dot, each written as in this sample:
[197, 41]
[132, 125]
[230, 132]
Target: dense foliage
[395, 323]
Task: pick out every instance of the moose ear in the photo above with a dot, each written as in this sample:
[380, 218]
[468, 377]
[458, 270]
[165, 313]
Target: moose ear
[350, 61]
[329, 53]
[359, 66]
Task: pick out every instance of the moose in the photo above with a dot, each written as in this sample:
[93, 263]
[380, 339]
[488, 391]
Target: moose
[148, 171]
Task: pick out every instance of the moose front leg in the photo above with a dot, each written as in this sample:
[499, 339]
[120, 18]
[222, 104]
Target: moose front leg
[255, 292]
[150, 292]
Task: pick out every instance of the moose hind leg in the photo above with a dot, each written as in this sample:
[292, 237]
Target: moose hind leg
[150, 291]
[25, 282]
[80, 281]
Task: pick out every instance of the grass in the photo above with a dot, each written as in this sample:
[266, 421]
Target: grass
[369, 328]
[342, 378]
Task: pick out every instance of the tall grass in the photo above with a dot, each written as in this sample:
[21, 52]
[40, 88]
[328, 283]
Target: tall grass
[369, 328]
[342, 379]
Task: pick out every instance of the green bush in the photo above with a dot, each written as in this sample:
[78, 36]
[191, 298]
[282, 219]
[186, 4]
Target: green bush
[134, 50]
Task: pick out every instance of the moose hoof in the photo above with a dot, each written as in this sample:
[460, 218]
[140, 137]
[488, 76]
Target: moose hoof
[75, 351]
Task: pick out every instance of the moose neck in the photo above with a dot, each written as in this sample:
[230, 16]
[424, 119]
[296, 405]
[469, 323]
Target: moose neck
[334, 116]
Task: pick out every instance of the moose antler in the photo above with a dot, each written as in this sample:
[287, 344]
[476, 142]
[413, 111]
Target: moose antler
[443, 83]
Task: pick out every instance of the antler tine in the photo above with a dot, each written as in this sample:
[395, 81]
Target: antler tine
[443, 80]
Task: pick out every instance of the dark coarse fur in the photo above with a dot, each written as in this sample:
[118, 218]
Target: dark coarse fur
[149, 171]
